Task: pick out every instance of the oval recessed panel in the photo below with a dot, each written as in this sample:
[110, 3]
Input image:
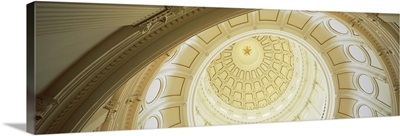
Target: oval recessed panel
[357, 53]
[366, 84]
[153, 91]
[338, 27]
[151, 123]
[364, 112]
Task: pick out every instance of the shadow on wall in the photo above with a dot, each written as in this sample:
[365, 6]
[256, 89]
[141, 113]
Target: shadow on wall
[18, 126]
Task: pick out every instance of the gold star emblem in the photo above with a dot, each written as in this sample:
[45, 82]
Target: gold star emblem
[247, 50]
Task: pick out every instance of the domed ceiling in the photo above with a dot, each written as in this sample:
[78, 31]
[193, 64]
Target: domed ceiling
[258, 78]
[266, 66]
[252, 73]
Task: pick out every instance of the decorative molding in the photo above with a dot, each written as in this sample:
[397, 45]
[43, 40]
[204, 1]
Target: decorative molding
[43, 106]
[111, 105]
[161, 18]
[112, 109]
[355, 22]
[176, 10]
[374, 18]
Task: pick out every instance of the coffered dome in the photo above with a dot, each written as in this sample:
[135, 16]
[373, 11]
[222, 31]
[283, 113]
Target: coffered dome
[252, 73]
[268, 66]
[258, 77]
